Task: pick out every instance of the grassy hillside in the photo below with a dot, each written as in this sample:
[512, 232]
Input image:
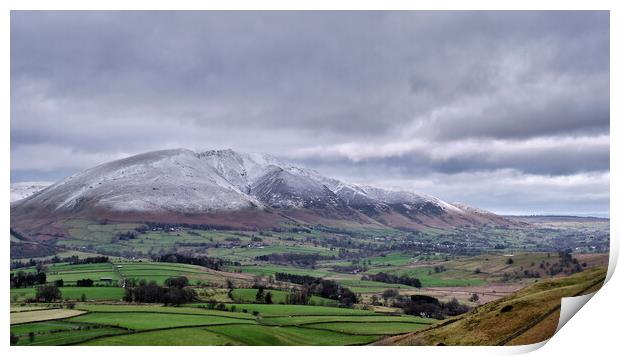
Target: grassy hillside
[527, 316]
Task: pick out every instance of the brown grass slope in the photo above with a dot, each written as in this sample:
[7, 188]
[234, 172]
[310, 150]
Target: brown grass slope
[532, 318]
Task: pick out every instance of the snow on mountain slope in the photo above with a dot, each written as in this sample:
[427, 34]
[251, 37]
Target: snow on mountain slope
[171, 180]
[23, 190]
[391, 196]
[408, 199]
[471, 209]
[182, 181]
[280, 188]
[241, 169]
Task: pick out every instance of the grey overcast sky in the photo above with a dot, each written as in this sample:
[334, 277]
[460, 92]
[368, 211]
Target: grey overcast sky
[507, 111]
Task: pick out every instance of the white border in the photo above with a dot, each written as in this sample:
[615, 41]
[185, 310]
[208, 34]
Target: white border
[593, 329]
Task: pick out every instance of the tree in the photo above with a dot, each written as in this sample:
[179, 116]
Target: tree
[510, 261]
[14, 339]
[455, 308]
[474, 297]
[268, 298]
[59, 283]
[87, 282]
[48, 293]
[177, 282]
[21, 279]
[231, 287]
[83, 297]
[374, 300]
[260, 295]
[41, 267]
[298, 297]
[177, 296]
[390, 293]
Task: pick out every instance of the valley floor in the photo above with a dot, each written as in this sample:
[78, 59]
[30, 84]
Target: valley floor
[326, 286]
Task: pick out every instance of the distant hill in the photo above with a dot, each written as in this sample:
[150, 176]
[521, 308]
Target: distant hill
[555, 218]
[528, 316]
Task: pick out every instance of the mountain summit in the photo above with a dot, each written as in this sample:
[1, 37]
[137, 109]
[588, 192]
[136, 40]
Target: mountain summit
[236, 189]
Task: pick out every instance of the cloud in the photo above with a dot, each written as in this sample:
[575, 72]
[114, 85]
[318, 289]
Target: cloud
[541, 155]
[418, 93]
[512, 192]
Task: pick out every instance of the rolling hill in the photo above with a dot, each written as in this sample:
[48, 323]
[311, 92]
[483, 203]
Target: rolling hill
[528, 316]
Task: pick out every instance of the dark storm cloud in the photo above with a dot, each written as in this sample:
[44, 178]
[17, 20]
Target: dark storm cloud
[419, 92]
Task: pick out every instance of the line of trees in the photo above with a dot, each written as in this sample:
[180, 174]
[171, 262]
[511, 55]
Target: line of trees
[295, 278]
[316, 286]
[74, 260]
[349, 269]
[48, 293]
[156, 226]
[204, 261]
[393, 279]
[299, 259]
[262, 297]
[22, 279]
[125, 236]
[429, 307]
[86, 282]
[175, 292]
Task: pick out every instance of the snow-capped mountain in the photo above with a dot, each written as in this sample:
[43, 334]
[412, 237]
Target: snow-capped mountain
[23, 190]
[224, 185]
[172, 180]
[282, 188]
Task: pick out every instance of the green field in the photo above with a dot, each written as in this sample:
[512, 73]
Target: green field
[348, 255]
[145, 321]
[74, 293]
[70, 273]
[248, 295]
[248, 254]
[44, 326]
[172, 337]
[289, 310]
[364, 318]
[260, 335]
[369, 328]
[270, 270]
[451, 278]
[105, 320]
[360, 286]
[276, 324]
[158, 309]
[66, 337]
[159, 272]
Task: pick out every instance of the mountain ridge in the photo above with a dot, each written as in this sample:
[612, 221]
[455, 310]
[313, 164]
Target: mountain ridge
[187, 185]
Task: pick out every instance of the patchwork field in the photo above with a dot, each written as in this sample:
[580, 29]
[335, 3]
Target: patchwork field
[73, 293]
[45, 314]
[345, 286]
[100, 324]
